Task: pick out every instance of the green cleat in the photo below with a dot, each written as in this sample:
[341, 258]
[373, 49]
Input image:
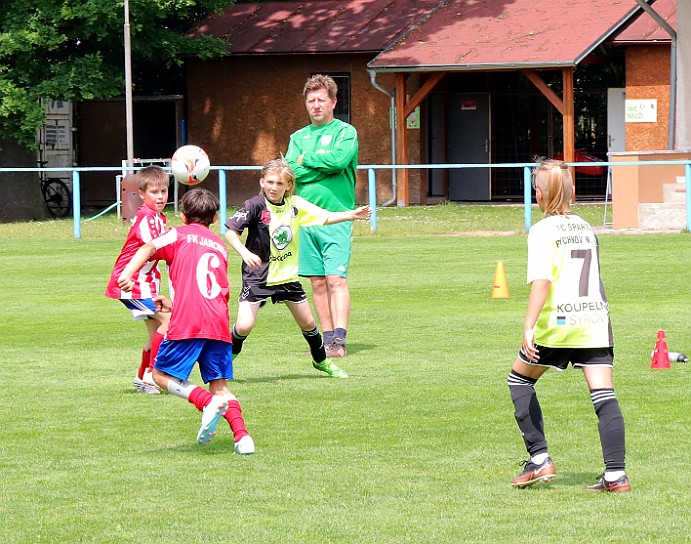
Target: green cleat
[331, 369]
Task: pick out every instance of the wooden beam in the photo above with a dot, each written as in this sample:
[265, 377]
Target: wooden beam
[422, 93]
[535, 78]
[402, 192]
[569, 124]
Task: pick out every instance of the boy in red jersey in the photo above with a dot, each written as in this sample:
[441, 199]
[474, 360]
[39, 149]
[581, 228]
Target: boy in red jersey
[199, 328]
[149, 223]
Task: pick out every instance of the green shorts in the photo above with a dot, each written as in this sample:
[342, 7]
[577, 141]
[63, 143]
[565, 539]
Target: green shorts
[325, 251]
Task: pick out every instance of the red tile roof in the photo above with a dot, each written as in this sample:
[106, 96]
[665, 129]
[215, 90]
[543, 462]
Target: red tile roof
[323, 26]
[414, 35]
[646, 29]
[507, 34]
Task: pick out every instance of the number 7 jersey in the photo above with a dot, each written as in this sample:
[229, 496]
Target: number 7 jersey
[564, 250]
[198, 269]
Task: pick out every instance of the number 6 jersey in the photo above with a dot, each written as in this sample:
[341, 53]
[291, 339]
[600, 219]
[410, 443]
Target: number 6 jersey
[198, 269]
[564, 250]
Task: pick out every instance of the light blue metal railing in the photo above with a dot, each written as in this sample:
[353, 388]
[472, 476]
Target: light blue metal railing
[372, 183]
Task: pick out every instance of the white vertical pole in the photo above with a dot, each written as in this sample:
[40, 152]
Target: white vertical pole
[128, 87]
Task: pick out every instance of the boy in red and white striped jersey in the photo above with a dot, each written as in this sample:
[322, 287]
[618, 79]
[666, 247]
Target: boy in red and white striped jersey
[149, 223]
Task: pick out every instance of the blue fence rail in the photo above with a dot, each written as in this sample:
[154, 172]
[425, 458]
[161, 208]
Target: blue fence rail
[372, 183]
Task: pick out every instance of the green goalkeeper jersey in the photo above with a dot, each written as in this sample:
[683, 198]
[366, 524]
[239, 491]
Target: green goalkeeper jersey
[326, 176]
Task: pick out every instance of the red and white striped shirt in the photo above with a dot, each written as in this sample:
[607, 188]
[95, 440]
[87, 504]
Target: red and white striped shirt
[146, 225]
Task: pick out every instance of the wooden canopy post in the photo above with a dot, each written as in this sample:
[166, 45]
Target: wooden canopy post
[404, 108]
[564, 106]
[569, 124]
[402, 192]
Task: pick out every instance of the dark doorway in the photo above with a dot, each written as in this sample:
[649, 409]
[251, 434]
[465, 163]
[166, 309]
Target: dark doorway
[102, 140]
[469, 143]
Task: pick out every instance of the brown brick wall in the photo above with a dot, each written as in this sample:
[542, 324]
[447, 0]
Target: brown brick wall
[647, 76]
[233, 112]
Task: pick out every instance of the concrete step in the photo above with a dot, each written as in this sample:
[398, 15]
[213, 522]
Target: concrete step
[674, 192]
[662, 216]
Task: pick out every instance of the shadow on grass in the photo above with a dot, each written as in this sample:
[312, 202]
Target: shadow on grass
[565, 480]
[357, 347]
[286, 377]
[219, 446]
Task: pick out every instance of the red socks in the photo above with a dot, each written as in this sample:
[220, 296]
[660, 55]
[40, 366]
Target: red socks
[234, 418]
[146, 357]
[155, 345]
[200, 397]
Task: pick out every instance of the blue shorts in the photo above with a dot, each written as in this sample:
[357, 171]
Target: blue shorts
[177, 358]
[142, 308]
[325, 251]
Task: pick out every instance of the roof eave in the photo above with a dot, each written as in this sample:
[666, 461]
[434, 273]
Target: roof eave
[612, 31]
[556, 65]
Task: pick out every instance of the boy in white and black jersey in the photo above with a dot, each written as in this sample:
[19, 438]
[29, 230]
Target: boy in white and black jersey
[270, 255]
[567, 321]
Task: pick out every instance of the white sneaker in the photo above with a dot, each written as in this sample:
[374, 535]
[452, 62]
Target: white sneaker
[210, 416]
[149, 378]
[245, 446]
[144, 387]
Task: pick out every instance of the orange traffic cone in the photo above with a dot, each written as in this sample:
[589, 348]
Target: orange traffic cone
[661, 353]
[500, 289]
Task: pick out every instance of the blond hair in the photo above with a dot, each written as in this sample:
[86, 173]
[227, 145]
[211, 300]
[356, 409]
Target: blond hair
[553, 178]
[320, 81]
[280, 167]
[152, 176]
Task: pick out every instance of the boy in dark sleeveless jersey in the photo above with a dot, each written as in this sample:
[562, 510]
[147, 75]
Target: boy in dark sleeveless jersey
[270, 256]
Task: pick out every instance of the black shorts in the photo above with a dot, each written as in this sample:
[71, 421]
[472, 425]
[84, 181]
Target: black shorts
[560, 358]
[284, 292]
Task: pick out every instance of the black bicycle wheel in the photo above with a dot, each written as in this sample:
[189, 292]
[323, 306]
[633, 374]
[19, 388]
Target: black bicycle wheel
[58, 197]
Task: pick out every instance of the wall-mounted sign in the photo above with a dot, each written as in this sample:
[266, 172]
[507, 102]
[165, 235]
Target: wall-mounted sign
[641, 111]
[413, 120]
[468, 105]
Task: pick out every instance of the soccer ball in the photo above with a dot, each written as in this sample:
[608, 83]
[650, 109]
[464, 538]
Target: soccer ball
[190, 165]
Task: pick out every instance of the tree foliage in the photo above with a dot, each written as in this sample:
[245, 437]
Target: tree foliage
[74, 50]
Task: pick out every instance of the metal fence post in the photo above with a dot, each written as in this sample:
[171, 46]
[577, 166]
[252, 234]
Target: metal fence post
[76, 205]
[687, 169]
[222, 199]
[372, 177]
[527, 198]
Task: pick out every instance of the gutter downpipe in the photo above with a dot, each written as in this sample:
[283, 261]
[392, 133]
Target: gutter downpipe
[392, 125]
[672, 73]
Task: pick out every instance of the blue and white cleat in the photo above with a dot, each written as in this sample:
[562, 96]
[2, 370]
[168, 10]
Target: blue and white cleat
[210, 416]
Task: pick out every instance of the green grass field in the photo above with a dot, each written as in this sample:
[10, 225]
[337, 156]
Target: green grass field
[418, 446]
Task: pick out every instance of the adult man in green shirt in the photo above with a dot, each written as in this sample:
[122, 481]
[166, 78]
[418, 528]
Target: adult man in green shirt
[323, 156]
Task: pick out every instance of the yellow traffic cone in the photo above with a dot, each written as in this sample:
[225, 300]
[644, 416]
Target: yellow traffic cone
[500, 289]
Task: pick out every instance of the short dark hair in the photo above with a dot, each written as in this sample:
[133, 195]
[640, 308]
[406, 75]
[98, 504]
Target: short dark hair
[321, 81]
[199, 206]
